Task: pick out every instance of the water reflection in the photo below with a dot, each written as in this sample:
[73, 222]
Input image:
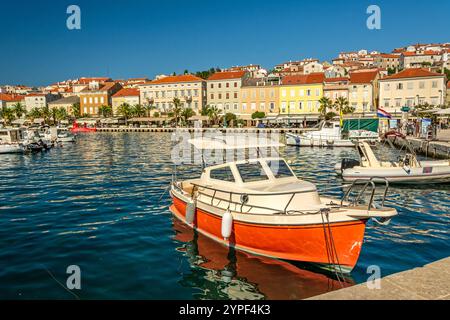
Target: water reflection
[232, 274]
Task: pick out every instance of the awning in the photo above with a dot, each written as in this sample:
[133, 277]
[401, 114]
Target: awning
[150, 119]
[87, 121]
[39, 120]
[199, 117]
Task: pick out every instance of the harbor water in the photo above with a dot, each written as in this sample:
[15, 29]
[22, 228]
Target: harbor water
[102, 204]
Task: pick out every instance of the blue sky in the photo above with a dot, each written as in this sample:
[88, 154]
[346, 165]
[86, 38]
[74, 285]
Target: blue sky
[123, 39]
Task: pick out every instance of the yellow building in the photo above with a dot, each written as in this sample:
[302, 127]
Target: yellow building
[363, 91]
[300, 94]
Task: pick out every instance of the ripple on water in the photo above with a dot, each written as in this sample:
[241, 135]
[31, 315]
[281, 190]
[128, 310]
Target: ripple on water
[102, 204]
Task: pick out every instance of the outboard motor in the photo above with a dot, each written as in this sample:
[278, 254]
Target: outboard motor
[349, 163]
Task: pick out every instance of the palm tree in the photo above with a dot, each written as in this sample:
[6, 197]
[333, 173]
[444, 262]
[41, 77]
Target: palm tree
[46, 113]
[177, 109]
[76, 111]
[61, 114]
[19, 110]
[325, 104]
[213, 114]
[124, 110]
[54, 113]
[138, 110]
[105, 110]
[187, 113]
[7, 114]
[34, 114]
[343, 107]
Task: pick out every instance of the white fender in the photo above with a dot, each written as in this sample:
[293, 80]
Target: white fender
[190, 211]
[227, 224]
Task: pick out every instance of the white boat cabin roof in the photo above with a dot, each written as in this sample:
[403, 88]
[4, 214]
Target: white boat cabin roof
[258, 175]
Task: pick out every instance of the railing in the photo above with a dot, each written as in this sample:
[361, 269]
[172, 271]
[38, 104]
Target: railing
[244, 197]
[366, 183]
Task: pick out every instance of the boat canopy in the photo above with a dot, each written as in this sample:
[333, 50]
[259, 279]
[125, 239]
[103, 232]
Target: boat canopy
[360, 124]
[233, 142]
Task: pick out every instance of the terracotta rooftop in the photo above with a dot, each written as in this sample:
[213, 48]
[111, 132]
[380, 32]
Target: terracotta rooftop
[11, 97]
[227, 75]
[413, 73]
[127, 92]
[176, 79]
[311, 78]
[87, 80]
[338, 79]
[363, 77]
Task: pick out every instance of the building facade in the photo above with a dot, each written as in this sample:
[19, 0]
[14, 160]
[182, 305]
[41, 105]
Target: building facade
[300, 95]
[39, 100]
[223, 90]
[96, 95]
[259, 95]
[66, 103]
[191, 91]
[363, 91]
[412, 87]
[130, 96]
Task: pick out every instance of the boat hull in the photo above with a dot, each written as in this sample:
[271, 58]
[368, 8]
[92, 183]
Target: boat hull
[400, 175]
[305, 243]
[11, 148]
[304, 141]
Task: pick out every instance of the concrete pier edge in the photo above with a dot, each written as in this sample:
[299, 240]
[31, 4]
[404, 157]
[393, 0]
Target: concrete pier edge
[430, 282]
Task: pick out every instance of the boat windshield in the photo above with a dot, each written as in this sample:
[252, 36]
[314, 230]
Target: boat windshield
[279, 168]
[251, 172]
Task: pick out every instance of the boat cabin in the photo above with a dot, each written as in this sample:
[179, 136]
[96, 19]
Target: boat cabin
[327, 129]
[10, 135]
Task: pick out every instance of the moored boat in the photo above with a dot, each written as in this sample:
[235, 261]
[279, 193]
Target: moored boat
[10, 141]
[76, 128]
[261, 207]
[408, 169]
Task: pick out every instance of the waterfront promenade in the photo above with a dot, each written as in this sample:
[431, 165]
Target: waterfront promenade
[430, 282]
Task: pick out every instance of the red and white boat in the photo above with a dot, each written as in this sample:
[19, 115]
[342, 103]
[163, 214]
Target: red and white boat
[259, 206]
[76, 128]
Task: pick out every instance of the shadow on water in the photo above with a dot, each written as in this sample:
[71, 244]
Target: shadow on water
[233, 274]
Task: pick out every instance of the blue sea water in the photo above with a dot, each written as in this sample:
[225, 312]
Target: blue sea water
[102, 204]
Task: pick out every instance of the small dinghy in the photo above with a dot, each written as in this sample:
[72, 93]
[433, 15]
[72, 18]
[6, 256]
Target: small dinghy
[259, 206]
[407, 169]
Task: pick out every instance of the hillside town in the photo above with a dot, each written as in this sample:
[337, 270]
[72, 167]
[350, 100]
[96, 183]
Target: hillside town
[354, 84]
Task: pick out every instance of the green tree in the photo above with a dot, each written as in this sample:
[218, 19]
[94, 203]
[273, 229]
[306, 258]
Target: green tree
[186, 114]
[76, 110]
[46, 113]
[34, 114]
[125, 110]
[7, 114]
[213, 114]
[61, 114]
[176, 109]
[138, 110]
[54, 113]
[342, 106]
[105, 111]
[258, 115]
[325, 105]
[19, 110]
[230, 119]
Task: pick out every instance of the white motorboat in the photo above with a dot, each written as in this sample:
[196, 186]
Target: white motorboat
[407, 169]
[64, 136]
[330, 134]
[260, 206]
[10, 141]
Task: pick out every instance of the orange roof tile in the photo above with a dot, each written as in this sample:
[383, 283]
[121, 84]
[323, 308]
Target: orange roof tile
[413, 73]
[363, 77]
[311, 78]
[127, 92]
[227, 75]
[338, 79]
[11, 97]
[175, 79]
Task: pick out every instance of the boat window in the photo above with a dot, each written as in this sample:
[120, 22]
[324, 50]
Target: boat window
[279, 168]
[251, 172]
[223, 174]
[328, 125]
